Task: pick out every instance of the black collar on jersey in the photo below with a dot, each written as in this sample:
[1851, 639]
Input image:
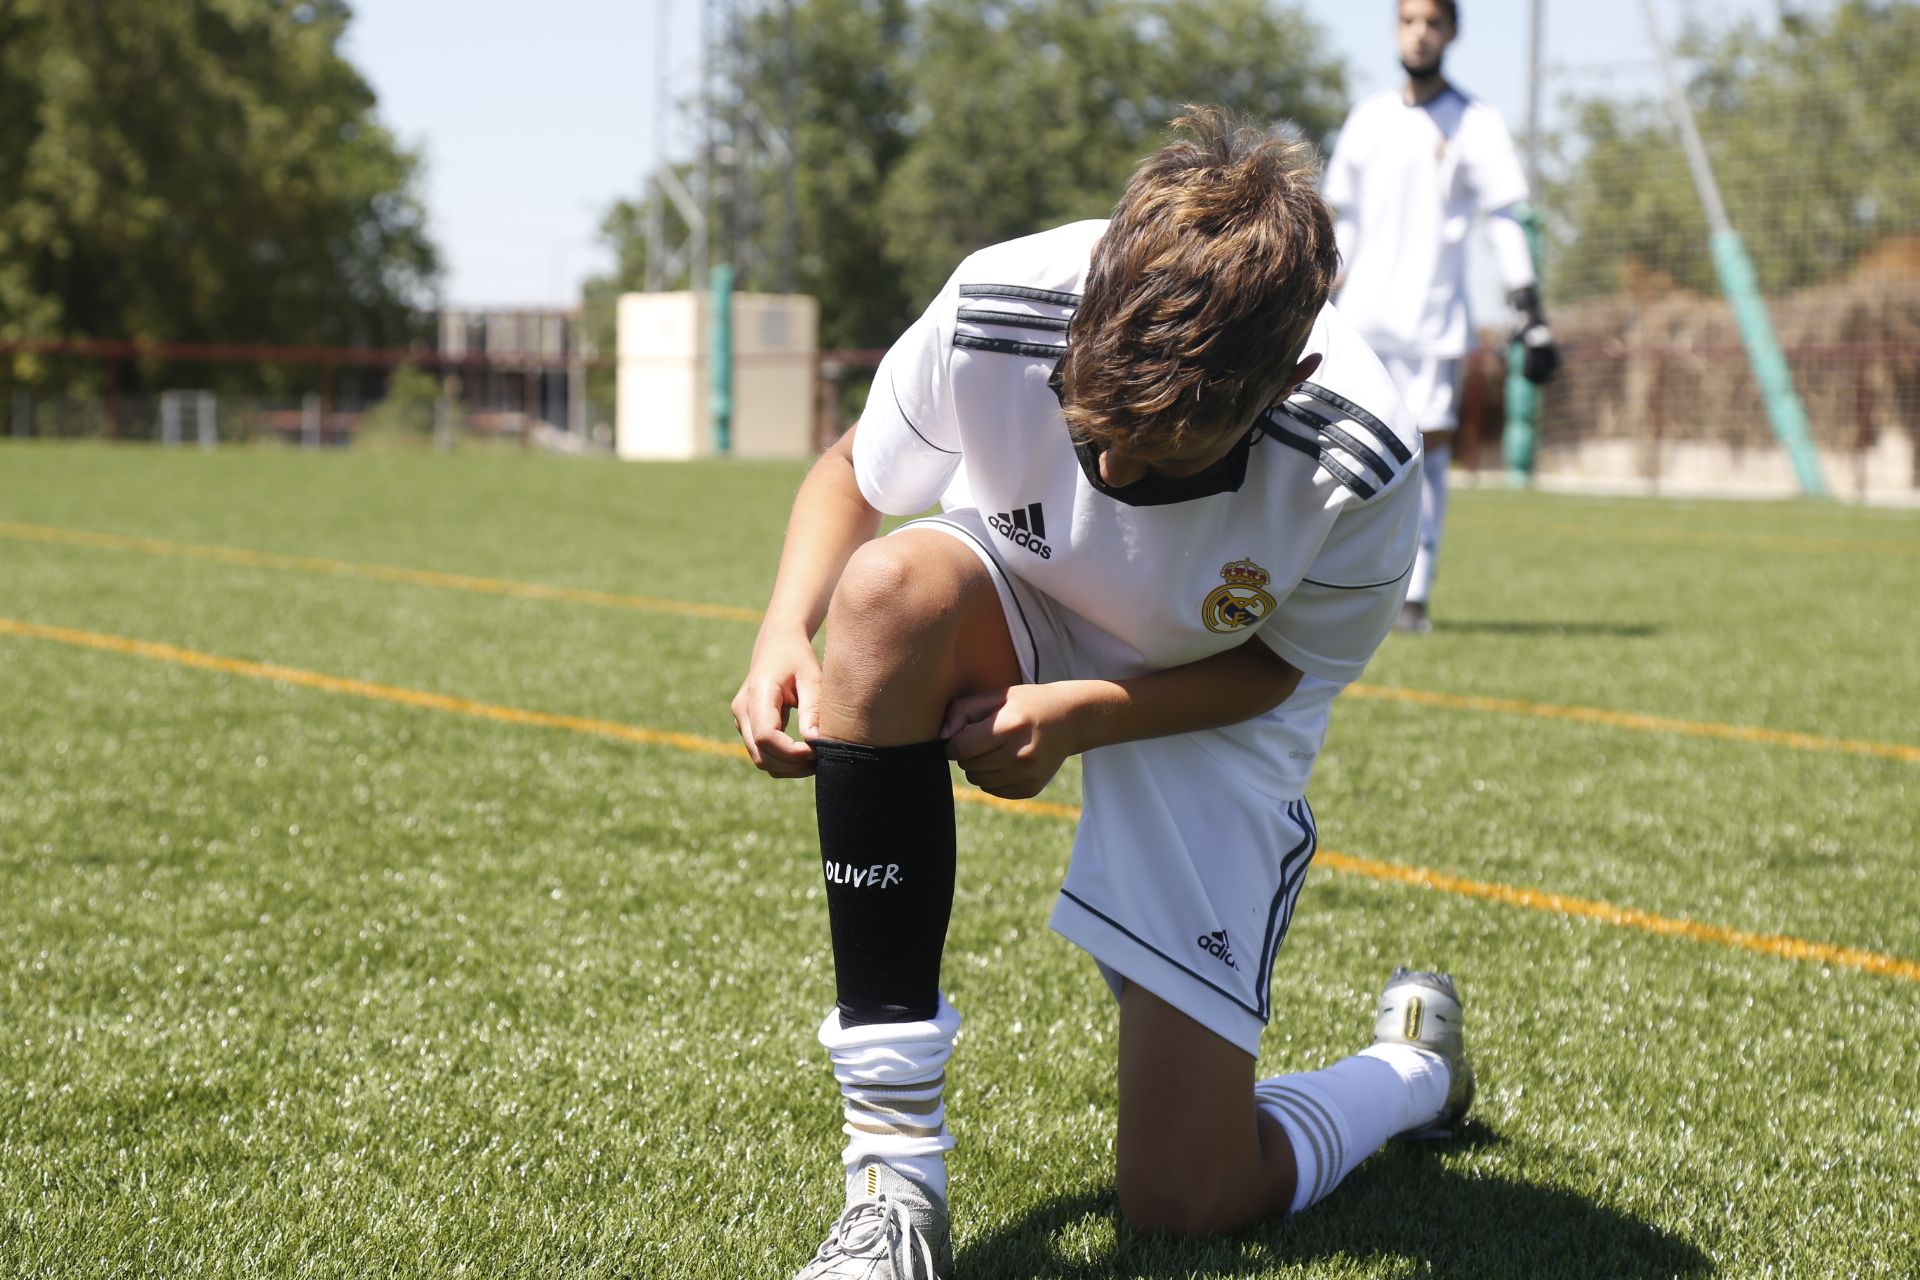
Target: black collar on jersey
[1224, 476]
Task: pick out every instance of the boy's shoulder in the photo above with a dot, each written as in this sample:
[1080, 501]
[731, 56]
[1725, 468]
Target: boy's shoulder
[1054, 261]
[1017, 297]
[1350, 408]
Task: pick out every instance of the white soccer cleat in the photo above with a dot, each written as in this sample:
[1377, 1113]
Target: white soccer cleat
[1422, 1009]
[892, 1229]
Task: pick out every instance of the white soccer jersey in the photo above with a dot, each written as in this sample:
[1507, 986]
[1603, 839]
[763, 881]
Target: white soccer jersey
[1303, 536]
[1409, 180]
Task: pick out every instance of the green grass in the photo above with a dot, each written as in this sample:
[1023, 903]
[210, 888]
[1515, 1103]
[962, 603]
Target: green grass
[298, 983]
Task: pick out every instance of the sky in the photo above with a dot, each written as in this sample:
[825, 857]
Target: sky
[534, 118]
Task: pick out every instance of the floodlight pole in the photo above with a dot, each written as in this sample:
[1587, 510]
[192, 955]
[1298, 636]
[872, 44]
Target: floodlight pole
[1536, 40]
[1741, 284]
[790, 122]
[739, 129]
[656, 201]
[709, 144]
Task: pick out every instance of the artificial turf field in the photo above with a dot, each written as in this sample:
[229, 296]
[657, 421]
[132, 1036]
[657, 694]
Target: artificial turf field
[362, 923]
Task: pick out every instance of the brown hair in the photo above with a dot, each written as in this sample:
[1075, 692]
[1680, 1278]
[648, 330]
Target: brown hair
[1202, 292]
[1453, 12]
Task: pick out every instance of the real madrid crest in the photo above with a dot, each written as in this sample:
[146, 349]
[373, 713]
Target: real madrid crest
[1240, 601]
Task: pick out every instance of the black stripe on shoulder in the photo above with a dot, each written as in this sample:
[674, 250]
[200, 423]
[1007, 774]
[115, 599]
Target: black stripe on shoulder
[1277, 432]
[1024, 292]
[1316, 449]
[1360, 488]
[1345, 439]
[1008, 347]
[1011, 319]
[1361, 416]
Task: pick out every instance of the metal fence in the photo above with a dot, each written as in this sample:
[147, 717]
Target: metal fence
[207, 395]
[1804, 114]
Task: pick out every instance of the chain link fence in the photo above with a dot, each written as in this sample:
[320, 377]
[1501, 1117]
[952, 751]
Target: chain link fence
[1807, 121]
[377, 400]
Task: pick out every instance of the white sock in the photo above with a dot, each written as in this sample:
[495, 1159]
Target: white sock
[1336, 1117]
[1433, 517]
[892, 1077]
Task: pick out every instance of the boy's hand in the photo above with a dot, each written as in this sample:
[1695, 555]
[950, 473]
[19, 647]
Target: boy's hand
[784, 676]
[1010, 742]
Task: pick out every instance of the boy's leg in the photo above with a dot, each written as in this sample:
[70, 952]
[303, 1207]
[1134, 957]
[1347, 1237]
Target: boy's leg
[1194, 1153]
[915, 622]
[1202, 1148]
[1431, 388]
[1438, 448]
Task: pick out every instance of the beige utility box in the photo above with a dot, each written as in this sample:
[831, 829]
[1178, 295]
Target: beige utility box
[664, 408]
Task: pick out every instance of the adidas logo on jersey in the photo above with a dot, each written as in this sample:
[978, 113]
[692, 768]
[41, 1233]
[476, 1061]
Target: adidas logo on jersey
[1024, 528]
[1215, 945]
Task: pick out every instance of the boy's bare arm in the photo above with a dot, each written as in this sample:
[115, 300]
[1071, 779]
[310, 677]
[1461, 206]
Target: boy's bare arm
[1224, 689]
[1011, 742]
[829, 522]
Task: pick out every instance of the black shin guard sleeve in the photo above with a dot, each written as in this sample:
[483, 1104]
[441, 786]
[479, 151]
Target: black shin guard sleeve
[887, 848]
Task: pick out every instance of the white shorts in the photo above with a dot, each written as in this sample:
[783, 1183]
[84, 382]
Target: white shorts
[1191, 849]
[1431, 388]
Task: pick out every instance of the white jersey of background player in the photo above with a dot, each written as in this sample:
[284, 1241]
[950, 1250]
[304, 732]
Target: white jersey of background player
[1410, 170]
[1194, 508]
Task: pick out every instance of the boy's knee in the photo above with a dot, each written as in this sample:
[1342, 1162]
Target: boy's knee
[888, 590]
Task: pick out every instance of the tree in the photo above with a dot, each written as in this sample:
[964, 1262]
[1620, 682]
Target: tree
[851, 104]
[929, 130]
[1034, 113]
[200, 170]
[1812, 141]
[406, 414]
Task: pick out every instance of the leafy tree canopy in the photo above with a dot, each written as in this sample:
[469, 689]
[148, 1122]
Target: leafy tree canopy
[926, 131]
[200, 170]
[1812, 139]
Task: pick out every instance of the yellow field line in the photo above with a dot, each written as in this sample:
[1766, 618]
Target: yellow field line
[377, 572]
[1683, 537]
[1770, 944]
[1775, 945]
[365, 688]
[1635, 721]
[539, 591]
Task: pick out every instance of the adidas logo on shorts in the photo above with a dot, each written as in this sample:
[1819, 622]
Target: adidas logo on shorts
[1024, 528]
[1215, 945]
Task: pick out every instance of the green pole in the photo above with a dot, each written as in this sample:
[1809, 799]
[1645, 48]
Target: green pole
[1742, 287]
[720, 288]
[1519, 438]
[1784, 410]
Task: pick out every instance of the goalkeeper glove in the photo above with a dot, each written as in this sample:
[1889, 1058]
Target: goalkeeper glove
[1541, 357]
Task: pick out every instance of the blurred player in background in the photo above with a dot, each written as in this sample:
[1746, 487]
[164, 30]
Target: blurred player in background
[1191, 505]
[1411, 168]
